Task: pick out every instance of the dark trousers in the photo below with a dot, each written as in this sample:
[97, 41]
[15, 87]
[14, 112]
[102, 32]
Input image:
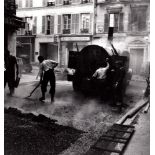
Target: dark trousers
[10, 79]
[48, 76]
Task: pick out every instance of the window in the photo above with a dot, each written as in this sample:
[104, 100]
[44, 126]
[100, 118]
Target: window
[28, 3]
[85, 1]
[19, 3]
[137, 21]
[67, 2]
[75, 24]
[48, 24]
[66, 23]
[51, 3]
[29, 25]
[85, 22]
[117, 21]
[44, 2]
[58, 2]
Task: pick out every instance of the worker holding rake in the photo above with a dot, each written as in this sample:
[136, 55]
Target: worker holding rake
[46, 73]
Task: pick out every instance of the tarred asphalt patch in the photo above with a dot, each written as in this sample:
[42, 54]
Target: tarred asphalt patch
[26, 134]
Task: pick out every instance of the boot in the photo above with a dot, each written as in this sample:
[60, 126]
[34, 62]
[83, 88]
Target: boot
[42, 98]
[52, 99]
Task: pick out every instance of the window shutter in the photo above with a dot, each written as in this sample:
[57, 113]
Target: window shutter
[52, 25]
[20, 4]
[91, 23]
[34, 29]
[129, 22]
[43, 24]
[116, 17]
[121, 26]
[31, 3]
[59, 2]
[73, 23]
[142, 18]
[106, 22]
[44, 2]
[59, 23]
[77, 24]
[27, 3]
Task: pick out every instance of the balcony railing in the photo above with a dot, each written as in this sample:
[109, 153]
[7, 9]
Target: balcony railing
[66, 2]
[84, 30]
[85, 1]
[50, 3]
[66, 31]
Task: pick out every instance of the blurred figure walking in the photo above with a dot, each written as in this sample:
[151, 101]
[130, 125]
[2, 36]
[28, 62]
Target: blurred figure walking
[10, 71]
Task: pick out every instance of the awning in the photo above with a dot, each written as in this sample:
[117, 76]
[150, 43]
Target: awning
[14, 21]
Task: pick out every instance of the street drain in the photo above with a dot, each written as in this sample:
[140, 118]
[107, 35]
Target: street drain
[113, 141]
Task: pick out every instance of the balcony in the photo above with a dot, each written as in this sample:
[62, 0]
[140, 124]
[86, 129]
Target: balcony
[84, 30]
[66, 2]
[66, 31]
[50, 3]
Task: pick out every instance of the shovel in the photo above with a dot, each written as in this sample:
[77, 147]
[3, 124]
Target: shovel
[34, 90]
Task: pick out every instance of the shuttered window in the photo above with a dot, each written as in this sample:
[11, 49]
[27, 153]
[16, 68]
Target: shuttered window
[59, 24]
[138, 18]
[118, 22]
[43, 24]
[34, 28]
[75, 24]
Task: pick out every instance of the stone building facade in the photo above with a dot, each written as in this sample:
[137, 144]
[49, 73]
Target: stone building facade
[131, 31]
[56, 27]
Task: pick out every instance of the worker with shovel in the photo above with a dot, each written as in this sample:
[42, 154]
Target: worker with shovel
[46, 73]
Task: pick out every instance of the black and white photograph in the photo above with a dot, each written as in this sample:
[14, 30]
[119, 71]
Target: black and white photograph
[76, 77]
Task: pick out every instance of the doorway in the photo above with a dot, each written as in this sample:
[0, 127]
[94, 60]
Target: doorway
[49, 51]
[136, 60]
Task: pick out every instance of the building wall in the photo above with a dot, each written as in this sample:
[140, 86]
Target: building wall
[128, 39]
[55, 39]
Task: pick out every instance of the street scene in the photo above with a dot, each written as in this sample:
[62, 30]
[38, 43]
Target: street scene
[76, 77]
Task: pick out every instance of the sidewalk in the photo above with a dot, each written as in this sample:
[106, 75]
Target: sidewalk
[140, 142]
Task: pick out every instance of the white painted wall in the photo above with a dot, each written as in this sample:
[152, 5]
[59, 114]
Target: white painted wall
[59, 10]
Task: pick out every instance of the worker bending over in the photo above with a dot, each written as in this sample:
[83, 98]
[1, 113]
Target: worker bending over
[46, 73]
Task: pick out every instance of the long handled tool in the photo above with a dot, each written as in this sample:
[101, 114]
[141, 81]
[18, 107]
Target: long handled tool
[34, 89]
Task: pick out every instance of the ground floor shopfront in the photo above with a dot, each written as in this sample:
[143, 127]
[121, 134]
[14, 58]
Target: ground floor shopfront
[57, 48]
